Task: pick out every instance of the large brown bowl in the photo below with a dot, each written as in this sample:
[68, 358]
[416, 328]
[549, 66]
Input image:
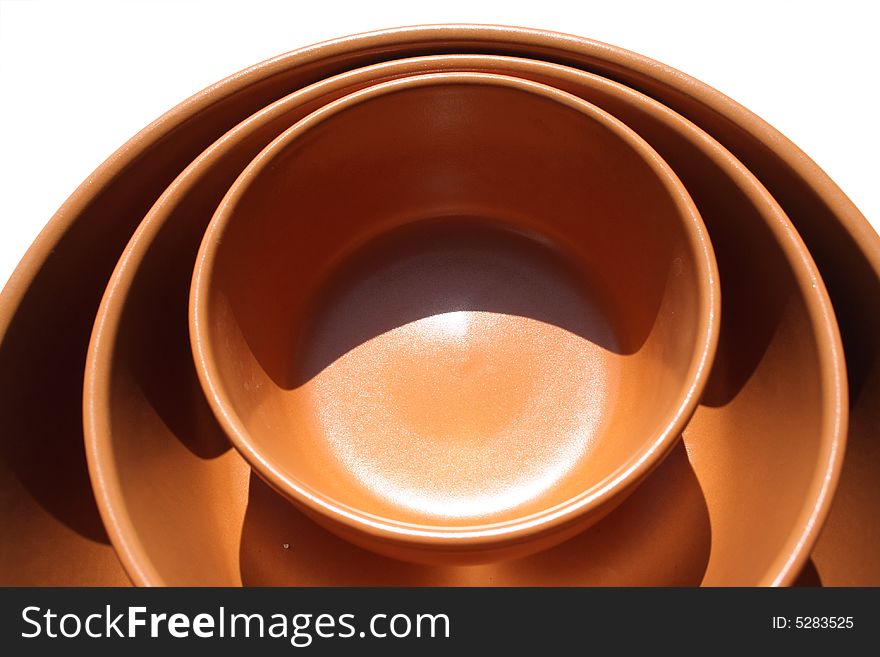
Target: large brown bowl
[48, 306]
[774, 398]
[455, 317]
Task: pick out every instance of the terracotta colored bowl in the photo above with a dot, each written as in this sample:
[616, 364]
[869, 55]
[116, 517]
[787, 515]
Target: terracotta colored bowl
[455, 317]
[48, 307]
[182, 509]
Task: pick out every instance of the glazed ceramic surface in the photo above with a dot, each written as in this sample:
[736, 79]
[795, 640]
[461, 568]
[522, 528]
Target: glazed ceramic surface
[455, 316]
[47, 308]
[760, 383]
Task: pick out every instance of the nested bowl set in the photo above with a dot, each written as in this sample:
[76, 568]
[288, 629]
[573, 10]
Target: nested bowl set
[446, 305]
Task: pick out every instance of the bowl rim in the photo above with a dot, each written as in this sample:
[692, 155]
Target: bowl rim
[581, 54]
[521, 527]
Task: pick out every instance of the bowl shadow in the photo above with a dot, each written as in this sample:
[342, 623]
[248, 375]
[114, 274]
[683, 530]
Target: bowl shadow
[659, 536]
[459, 265]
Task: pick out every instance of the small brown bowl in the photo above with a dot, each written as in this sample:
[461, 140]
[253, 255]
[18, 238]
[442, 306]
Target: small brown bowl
[455, 317]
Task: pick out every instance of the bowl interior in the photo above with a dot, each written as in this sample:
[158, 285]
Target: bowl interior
[454, 301]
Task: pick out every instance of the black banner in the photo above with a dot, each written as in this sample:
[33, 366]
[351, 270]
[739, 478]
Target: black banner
[434, 621]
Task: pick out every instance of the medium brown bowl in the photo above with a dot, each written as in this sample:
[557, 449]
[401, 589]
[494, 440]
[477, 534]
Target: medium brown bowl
[207, 521]
[455, 317]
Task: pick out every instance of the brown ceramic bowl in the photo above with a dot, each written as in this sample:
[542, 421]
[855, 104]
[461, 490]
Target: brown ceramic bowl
[183, 509]
[455, 317]
[48, 307]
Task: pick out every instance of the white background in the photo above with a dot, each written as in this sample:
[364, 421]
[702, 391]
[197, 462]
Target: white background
[78, 78]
